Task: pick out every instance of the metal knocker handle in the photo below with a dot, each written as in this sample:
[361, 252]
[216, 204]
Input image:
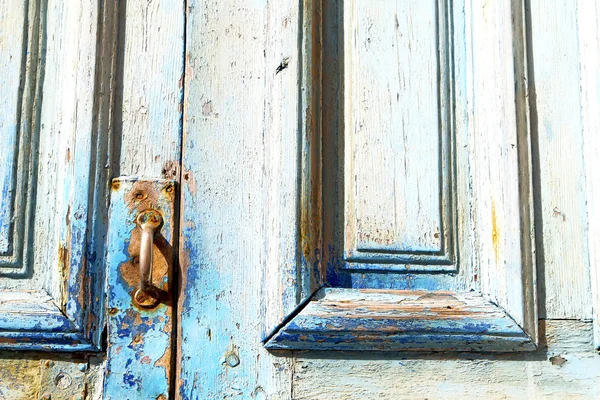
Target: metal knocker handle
[149, 222]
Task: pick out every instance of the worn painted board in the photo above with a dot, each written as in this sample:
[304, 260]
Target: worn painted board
[346, 319]
[20, 55]
[493, 168]
[569, 376]
[398, 134]
[64, 271]
[139, 339]
[238, 204]
[149, 98]
[589, 52]
[557, 121]
[17, 85]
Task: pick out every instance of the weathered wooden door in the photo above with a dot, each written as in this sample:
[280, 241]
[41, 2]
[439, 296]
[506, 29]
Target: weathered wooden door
[296, 199]
[374, 200]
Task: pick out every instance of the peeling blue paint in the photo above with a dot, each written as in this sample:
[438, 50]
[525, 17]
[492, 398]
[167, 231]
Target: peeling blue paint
[139, 340]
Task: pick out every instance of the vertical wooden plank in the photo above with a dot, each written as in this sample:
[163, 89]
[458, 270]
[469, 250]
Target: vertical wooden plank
[557, 123]
[239, 195]
[499, 160]
[68, 146]
[139, 338]
[589, 47]
[149, 99]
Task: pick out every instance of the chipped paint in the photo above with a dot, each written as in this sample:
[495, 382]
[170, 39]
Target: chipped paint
[345, 319]
[139, 339]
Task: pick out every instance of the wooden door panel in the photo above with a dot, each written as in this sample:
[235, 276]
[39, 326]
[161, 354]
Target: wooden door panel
[54, 176]
[397, 160]
[469, 90]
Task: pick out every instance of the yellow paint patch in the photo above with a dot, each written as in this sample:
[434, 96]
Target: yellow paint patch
[495, 233]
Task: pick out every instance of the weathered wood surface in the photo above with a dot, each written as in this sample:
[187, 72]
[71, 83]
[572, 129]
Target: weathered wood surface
[493, 166]
[391, 320]
[139, 339]
[18, 95]
[558, 140]
[238, 233]
[150, 93]
[398, 130]
[562, 370]
[68, 169]
[572, 376]
[589, 47]
[562, 219]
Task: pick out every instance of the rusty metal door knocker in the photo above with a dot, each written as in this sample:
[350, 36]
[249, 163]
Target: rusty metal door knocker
[150, 222]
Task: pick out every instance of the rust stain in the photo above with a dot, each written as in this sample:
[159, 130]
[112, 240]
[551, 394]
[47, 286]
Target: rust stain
[145, 360]
[164, 361]
[170, 170]
[68, 216]
[137, 340]
[63, 269]
[184, 264]
[81, 279]
[559, 214]
[142, 196]
[162, 255]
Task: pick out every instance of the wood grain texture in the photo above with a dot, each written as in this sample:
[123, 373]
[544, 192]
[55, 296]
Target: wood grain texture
[241, 260]
[21, 55]
[148, 109]
[239, 239]
[493, 163]
[69, 197]
[558, 123]
[346, 319]
[398, 131]
[589, 48]
[17, 34]
[562, 369]
[338, 377]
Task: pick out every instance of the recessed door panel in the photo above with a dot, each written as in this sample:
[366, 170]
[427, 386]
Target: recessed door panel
[398, 126]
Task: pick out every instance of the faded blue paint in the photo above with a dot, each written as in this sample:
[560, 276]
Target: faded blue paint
[139, 340]
[7, 168]
[40, 323]
[481, 326]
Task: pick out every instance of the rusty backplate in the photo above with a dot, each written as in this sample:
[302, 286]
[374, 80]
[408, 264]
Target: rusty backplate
[139, 338]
